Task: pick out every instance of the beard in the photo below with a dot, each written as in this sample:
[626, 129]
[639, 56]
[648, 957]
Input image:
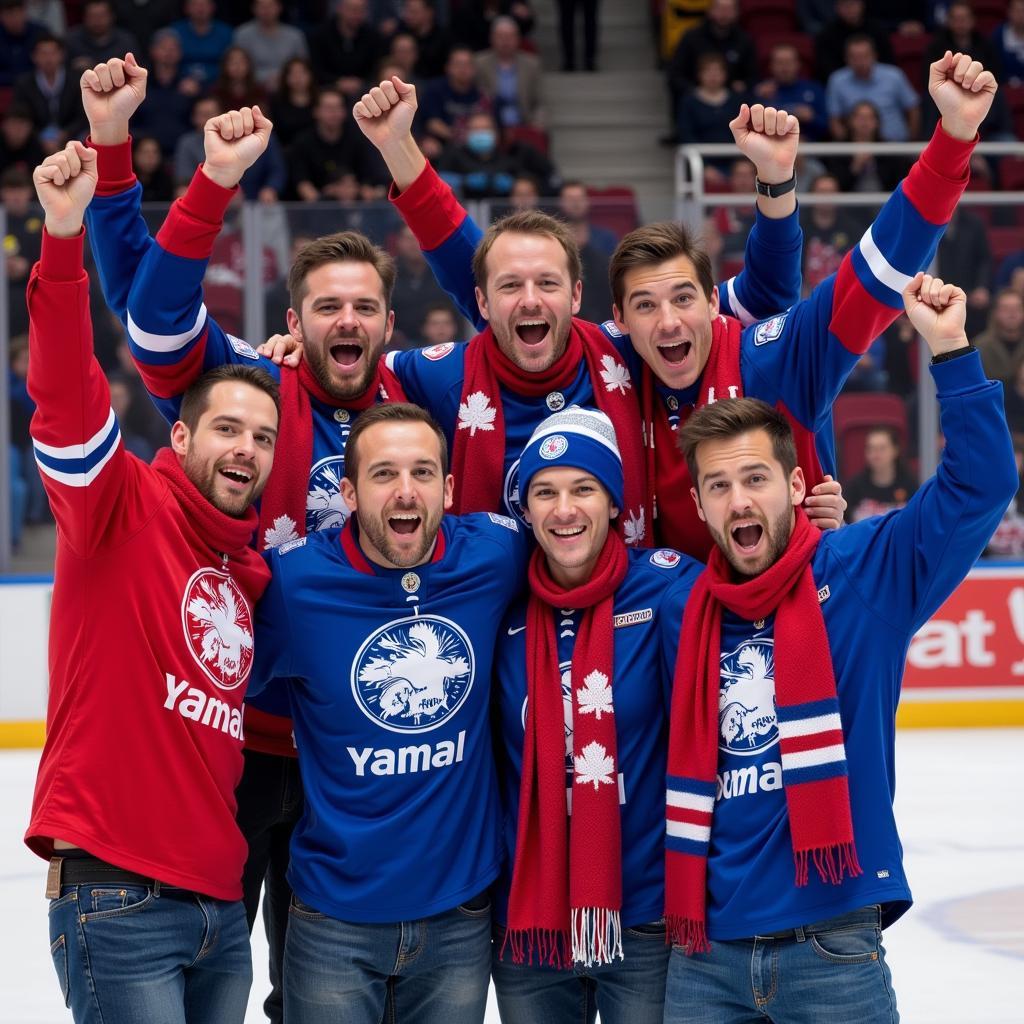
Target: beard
[777, 535]
[509, 344]
[375, 530]
[319, 362]
[204, 478]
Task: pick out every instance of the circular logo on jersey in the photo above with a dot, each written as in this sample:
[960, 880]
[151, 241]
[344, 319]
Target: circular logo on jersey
[217, 621]
[666, 558]
[413, 674]
[673, 403]
[565, 668]
[555, 401]
[514, 503]
[342, 415]
[410, 583]
[325, 507]
[747, 722]
[554, 446]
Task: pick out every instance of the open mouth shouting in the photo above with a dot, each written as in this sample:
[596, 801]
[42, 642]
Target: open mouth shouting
[675, 352]
[346, 353]
[405, 524]
[238, 478]
[532, 332]
[747, 537]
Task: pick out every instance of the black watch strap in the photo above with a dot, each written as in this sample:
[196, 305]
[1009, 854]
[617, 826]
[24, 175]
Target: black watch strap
[774, 191]
[945, 357]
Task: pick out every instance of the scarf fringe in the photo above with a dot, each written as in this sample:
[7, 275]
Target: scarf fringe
[833, 863]
[550, 946]
[596, 935]
[688, 932]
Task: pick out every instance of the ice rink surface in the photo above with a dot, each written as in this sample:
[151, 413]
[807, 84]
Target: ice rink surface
[957, 957]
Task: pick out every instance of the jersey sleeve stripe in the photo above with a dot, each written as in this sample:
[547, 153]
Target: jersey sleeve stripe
[83, 450]
[151, 342]
[738, 310]
[87, 461]
[389, 360]
[882, 270]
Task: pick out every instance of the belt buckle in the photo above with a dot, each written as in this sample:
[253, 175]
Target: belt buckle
[53, 878]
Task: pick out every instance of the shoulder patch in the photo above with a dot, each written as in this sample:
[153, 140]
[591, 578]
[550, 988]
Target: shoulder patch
[506, 521]
[243, 348]
[610, 329]
[435, 352]
[291, 545]
[666, 558]
[769, 330]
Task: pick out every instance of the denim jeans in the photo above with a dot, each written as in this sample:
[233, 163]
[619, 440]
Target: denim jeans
[832, 972]
[127, 954]
[628, 991]
[431, 971]
[270, 802]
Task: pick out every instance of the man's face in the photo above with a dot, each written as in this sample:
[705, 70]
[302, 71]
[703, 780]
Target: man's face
[1009, 314]
[352, 12]
[570, 512]
[742, 177]
[460, 70]
[16, 199]
[723, 13]
[669, 318]
[574, 203]
[98, 19]
[879, 450]
[165, 49]
[267, 12]
[16, 131]
[960, 20]
[746, 499]
[785, 65]
[438, 327]
[231, 452]
[416, 15]
[400, 494]
[530, 300]
[202, 112]
[860, 57]
[404, 51]
[329, 112]
[14, 19]
[407, 249]
[343, 325]
[48, 57]
[850, 11]
[199, 10]
[504, 39]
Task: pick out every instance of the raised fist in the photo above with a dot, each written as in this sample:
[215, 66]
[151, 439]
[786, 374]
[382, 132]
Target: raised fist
[111, 93]
[234, 142]
[65, 183]
[385, 113]
[768, 138]
[963, 91]
[938, 312]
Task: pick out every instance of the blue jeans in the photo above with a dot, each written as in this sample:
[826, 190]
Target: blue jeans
[628, 991]
[832, 972]
[128, 954]
[431, 971]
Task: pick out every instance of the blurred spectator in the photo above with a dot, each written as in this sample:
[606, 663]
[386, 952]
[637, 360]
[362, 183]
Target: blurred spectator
[403, 54]
[21, 243]
[1002, 344]
[419, 19]
[143, 18]
[141, 418]
[829, 233]
[813, 15]
[1008, 40]
[525, 193]
[346, 48]
[733, 223]
[440, 325]
[884, 85]
[277, 301]
[567, 33]
[448, 102]
[850, 20]
[98, 38]
[166, 114]
[574, 208]
[49, 13]
[19, 147]
[704, 113]
[509, 77]
[269, 43]
[596, 300]
[148, 160]
[964, 256]
[1008, 540]
[960, 35]
[884, 484]
[51, 95]
[189, 152]
[480, 168]
[321, 154]
[867, 171]
[902, 360]
[291, 108]
[472, 27]
[719, 32]
[236, 84]
[1013, 400]
[786, 88]
[203, 40]
[415, 290]
[1011, 272]
[267, 180]
[18, 36]
[121, 398]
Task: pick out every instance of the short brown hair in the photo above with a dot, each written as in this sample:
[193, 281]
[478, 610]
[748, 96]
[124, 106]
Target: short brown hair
[654, 244]
[528, 222]
[196, 399]
[342, 247]
[730, 417]
[393, 412]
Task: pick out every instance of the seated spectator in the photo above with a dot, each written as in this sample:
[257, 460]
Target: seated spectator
[167, 112]
[597, 295]
[884, 484]
[851, 19]
[419, 19]
[403, 55]
[704, 113]
[318, 156]
[733, 223]
[440, 326]
[291, 107]
[148, 161]
[574, 208]
[1013, 400]
[1002, 344]
[269, 43]
[472, 27]
[867, 171]
[18, 36]
[1008, 40]
[525, 193]
[98, 38]
[144, 18]
[1011, 272]
[509, 77]
[787, 89]
[829, 233]
[883, 85]
[480, 167]
[189, 151]
[51, 95]
[720, 33]
[415, 290]
[236, 85]
[345, 49]
[448, 102]
[203, 40]
[21, 243]
[964, 256]
[960, 35]
[902, 361]
[19, 147]
[267, 180]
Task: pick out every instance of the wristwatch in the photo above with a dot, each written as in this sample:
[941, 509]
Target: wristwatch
[774, 191]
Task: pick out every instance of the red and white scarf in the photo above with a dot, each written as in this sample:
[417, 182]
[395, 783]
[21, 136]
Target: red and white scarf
[566, 894]
[814, 772]
[478, 459]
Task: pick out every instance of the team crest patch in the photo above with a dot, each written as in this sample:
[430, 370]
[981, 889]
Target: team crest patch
[513, 499]
[746, 701]
[325, 507]
[291, 545]
[413, 674]
[666, 558]
[770, 330]
[506, 521]
[243, 348]
[610, 329]
[217, 621]
[435, 352]
[554, 446]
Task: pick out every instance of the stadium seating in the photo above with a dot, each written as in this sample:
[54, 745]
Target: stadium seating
[855, 415]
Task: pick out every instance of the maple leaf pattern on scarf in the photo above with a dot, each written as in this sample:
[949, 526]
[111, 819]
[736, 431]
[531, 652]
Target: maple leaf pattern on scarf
[476, 413]
[615, 375]
[281, 532]
[594, 765]
[633, 528]
[596, 696]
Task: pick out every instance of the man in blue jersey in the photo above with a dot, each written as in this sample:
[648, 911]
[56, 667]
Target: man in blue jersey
[783, 861]
[383, 635]
[581, 707]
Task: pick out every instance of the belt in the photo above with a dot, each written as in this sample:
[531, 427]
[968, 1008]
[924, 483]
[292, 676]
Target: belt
[93, 871]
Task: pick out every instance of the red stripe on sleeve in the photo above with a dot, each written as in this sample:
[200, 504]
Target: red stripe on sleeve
[939, 177]
[430, 209]
[857, 317]
[172, 379]
[61, 258]
[195, 220]
[114, 167]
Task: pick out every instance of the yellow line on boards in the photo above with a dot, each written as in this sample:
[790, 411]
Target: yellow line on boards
[960, 714]
[18, 735]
